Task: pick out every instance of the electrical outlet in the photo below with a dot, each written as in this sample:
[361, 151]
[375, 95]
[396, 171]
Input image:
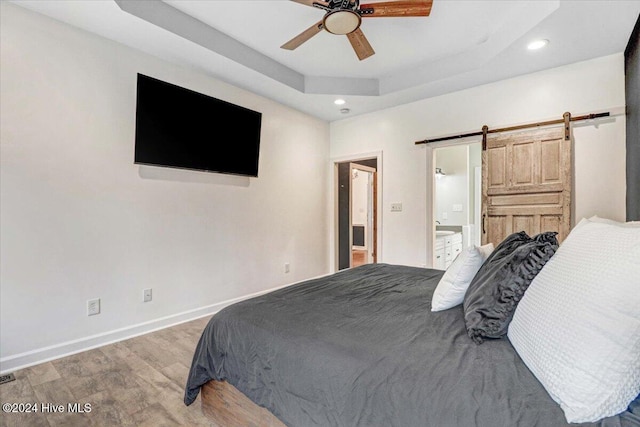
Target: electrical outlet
[147, 295]
[287, 267]
[93, 307]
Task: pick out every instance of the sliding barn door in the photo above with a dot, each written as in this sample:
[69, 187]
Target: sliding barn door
[526, 184]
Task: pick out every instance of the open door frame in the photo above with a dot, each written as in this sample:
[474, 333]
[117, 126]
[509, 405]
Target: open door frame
[377, 200]
[430, 215]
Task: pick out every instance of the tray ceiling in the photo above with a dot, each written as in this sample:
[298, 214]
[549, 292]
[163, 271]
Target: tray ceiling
[461, 44]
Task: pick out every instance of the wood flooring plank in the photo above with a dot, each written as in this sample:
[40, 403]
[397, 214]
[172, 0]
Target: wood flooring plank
[107, 411]
[20, 391]
[57, 393]
[177, 373]
[22, 420]
[154, 416]
[134, 399]
[152, 352]
[42, 373]
[136, 382]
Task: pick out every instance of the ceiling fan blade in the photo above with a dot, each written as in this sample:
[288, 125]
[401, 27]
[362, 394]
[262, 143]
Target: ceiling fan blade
[303, 36]
[360, 44]
[396, 8]
[311, 2]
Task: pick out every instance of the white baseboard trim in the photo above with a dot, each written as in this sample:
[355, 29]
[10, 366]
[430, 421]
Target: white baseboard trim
[46, 354]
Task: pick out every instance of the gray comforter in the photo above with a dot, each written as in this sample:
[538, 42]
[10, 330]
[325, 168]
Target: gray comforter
[362, 348]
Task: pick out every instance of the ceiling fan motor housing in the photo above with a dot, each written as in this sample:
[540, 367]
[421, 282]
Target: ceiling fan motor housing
[341, 21]
[344, 4]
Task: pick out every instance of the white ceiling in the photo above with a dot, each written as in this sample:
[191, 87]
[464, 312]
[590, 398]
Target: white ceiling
[463, 43]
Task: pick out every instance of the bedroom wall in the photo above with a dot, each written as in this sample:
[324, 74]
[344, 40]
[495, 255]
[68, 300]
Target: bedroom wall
[584, 87]
[79, 220]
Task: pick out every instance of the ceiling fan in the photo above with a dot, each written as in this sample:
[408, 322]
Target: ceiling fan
[343, 17]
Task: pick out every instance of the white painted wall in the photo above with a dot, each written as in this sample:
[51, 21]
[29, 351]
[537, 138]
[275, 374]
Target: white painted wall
[79, 220]
[584, 87]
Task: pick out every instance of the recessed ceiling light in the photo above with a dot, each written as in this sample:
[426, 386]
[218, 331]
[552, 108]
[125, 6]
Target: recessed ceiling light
[339, 101]
[537, 44]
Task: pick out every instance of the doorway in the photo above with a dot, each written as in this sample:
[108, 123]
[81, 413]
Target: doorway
[456, 200]
[356, 212]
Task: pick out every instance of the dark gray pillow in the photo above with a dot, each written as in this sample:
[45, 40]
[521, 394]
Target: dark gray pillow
[501, 281]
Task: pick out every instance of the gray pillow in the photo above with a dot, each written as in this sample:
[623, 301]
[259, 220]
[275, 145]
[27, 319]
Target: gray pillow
[501, 281]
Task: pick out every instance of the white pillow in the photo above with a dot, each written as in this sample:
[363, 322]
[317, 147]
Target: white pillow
[486, 250]
[455, 281]
[596, 218]
[577, 327]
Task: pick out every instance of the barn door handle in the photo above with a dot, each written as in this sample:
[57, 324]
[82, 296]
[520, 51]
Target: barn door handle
[483, 229]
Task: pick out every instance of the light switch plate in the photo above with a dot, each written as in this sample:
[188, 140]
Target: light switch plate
[396, 207]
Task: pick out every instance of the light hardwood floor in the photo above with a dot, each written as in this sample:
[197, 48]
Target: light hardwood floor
[136, 382]
[358, 257]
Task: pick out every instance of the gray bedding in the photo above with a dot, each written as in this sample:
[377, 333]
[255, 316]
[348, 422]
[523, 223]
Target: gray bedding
[362, 348]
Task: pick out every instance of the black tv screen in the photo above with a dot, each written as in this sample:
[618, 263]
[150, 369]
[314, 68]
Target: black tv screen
[180, 128]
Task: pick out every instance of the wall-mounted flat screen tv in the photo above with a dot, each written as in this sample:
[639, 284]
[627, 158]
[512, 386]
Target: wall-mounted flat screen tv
[181, 128]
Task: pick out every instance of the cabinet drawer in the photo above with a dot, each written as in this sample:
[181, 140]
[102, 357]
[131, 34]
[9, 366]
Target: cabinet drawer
[448, 255]
[456, 238]
[456, 248]
[439, 261]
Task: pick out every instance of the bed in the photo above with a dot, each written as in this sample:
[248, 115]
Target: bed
[361, 347]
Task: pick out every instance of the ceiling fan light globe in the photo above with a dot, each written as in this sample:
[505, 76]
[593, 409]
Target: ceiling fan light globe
[341, 21]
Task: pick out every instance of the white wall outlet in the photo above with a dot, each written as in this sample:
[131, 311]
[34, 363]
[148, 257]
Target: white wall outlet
[93, 307]
[445, 215]
[457, 208]
[147, 295]
[396, 207]
[287, 267]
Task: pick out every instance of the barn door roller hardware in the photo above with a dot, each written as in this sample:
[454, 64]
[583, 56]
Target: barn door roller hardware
[566, 120]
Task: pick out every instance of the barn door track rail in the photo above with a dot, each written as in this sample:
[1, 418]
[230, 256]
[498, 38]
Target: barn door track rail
[566, 120]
